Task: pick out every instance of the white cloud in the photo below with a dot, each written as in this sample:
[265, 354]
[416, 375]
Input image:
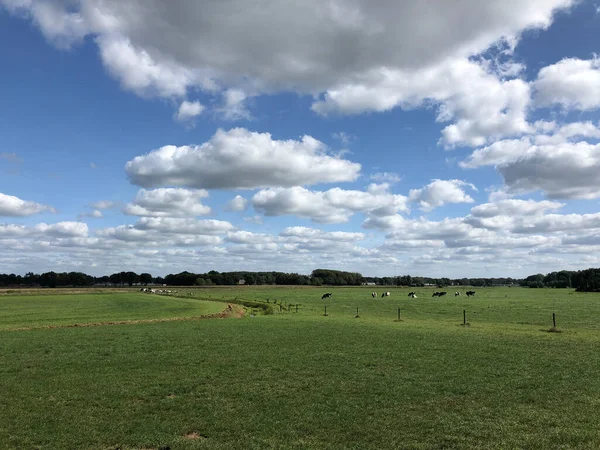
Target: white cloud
[103, 204]
[64, 229]
[258, 220]
[237, 203]
[561, 171]
[44, 230]
[514, 207]
[95, 214]
[386, 177]
[333, 206]
[484, 107]
[500, 152]
[561, 163]
[241, 159]
[139, 71]
[183, 226]
[305, 232]
[551, 223]
[441, 192]
[14, 206]
[189, 110]
[572, 83]
[234, 105]
[168, 202]
[343, 137]
[308, 47]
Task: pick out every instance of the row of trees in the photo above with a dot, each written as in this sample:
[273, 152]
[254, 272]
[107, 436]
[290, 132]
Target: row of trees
[76, 279]
[584, 280]
[587, 280]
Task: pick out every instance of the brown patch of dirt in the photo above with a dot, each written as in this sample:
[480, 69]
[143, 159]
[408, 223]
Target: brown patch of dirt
[171, 396]
[194, 435]
[235, 311]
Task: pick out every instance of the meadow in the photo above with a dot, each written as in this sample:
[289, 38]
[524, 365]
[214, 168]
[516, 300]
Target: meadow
[300, 380]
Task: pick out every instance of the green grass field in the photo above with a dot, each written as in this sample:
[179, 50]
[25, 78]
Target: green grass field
[302, 380]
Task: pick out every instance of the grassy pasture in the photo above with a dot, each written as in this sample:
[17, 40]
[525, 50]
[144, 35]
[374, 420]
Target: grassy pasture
[25, 311]
[302, 380]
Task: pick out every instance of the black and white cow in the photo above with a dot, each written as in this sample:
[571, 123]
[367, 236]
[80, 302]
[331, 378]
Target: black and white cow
[456, 294]
[469, 293]
[326, 295]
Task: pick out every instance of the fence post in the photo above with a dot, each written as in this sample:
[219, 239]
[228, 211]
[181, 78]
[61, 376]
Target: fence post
[554, 320]
[325, 310]
[464, 316]
[398, 314]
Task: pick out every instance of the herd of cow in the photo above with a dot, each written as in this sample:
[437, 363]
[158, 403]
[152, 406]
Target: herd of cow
[410, 294]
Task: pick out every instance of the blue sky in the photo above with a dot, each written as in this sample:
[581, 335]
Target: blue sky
[387, 139]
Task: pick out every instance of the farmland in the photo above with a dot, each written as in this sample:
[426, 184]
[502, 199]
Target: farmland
[300, 379]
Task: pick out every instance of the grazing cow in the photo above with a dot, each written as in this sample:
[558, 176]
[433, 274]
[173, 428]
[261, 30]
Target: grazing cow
[412, 294]
[469, 293]
[373, 294]
[456, 294]
[442, 293]
[326, 295]
[385, 294]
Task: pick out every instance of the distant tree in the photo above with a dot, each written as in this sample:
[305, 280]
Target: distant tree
[200, 281]
[49, 279]
[145, 278]
[115, 278]
[130, 278]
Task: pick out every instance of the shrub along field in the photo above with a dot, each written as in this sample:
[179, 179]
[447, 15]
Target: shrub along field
[302, 380]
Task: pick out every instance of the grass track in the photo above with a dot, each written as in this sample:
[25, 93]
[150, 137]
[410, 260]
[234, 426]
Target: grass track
[308, 381]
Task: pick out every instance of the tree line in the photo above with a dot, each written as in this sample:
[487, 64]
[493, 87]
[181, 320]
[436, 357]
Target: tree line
[583, 280]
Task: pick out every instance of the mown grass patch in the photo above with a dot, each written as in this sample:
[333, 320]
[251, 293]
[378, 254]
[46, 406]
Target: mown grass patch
[54, 310]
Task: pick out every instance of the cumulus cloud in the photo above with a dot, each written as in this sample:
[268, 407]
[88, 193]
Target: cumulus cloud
[333, 206]
[95, 214]
[560, 161]
[571, 83]
[240, 159]
[168, 202]
[305, 232]
[234, 105]
[237, 203]
[183, 226]
[310, 47]
[14, 206]
[41, 230]
[386, 177]
[440, 192]
[189, 110]
[484, 106]
[563, 171]
[103, 204]
[514, 207]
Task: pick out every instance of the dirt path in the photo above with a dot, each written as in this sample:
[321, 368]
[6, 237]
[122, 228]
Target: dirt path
[234, 311]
